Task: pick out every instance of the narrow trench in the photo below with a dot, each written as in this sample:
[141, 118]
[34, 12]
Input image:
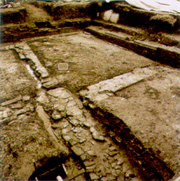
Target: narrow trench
[149, 166]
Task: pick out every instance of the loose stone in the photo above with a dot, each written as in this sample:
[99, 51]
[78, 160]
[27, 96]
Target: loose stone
[43, 99]
[77, 150]
[92, 106]
[71, 103]
[77, 130]
[129, 173]
[98, 137]
[26, 98]
[86, 124]
[120, 161]
[112, 153]
[18, 105]
[112, 148]
[79, 103]
[6, 103]
[83, 157]
[74, 122]
[73, 141]
[93, 176]
[118, 139]
[59, 107]
[90, 168]
[91, 153]
[56, 92]
[125, 167]
[30, 107]
[92, 129]
[82, 140]
[88, 163]
[56, 115]
[65, 131]
[114, 173]
[66, 138]
[7, 113]
[73, 111]
[85, 102]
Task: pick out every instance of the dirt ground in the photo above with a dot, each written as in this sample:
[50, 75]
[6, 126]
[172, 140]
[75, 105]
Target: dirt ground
[41, 118]
[13, 71]
[89, 59]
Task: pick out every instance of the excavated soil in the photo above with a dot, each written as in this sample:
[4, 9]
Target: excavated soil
[89, 59]
[42, 119]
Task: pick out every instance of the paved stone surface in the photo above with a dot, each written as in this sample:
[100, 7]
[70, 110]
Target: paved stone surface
[78, 129]
[101, 90]
[150, 108]
[25, 52]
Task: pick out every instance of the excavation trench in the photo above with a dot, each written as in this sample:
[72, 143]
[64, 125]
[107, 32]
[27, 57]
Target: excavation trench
[101, 145]
[76, 95]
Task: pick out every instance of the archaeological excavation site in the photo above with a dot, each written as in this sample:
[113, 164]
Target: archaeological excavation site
[89, 90]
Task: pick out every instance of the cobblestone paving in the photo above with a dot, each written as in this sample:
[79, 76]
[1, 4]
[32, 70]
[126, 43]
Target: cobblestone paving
[84, 136]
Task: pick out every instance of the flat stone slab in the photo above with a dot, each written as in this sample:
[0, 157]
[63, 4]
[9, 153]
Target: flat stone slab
[150, 108]
[14, 76]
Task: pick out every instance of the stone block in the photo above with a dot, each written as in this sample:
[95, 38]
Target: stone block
[82, 140]
[113, 153]
[71, 103]
[56, 115]
[56, 92]
[114, 17]
[74, 122]
[93, 176]
[51, 83]
[112, 148]
[88, 163]
[77, 150]
[43, 99]
[120, 160]
[6, 113]
[73, 141]
[98, 137]
[91, 153]
[125, 167]
[6, 103]
[17, 105]
[26, 98]
[73, 111]
[66, 138]
[107, 14]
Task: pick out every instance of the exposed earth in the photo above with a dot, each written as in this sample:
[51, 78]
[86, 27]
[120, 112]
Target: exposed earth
[84, 97]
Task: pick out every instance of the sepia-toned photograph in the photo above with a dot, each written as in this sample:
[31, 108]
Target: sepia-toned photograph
[90, 90]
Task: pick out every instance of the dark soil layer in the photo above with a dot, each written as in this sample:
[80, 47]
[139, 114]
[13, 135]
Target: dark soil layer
[23, 142]
[13, 15]
[153, 168]
[151, 20]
